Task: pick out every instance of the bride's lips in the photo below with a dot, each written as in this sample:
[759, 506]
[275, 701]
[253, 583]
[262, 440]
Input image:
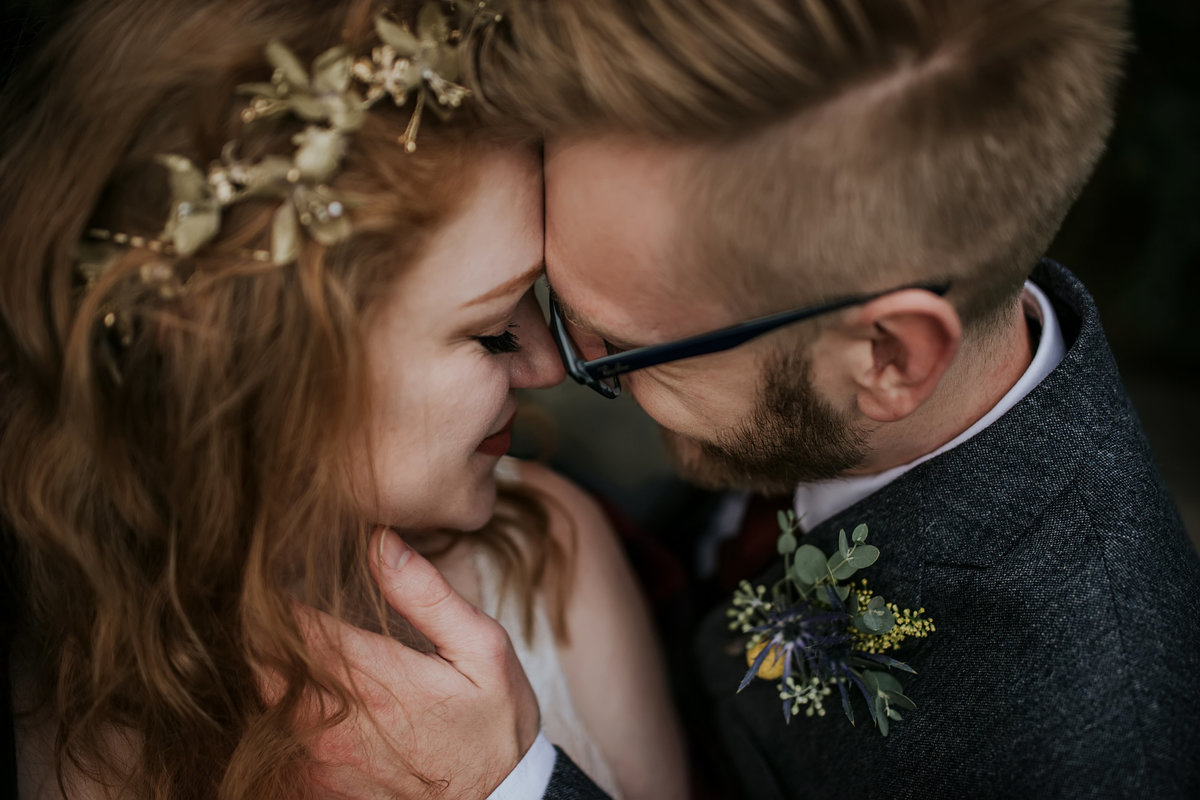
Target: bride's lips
[498, 443]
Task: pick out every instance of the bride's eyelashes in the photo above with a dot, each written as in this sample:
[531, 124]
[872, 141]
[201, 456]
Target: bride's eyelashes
[507, 342]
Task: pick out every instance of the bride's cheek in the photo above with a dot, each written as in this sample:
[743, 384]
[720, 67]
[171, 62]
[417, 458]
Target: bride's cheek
[481, 391]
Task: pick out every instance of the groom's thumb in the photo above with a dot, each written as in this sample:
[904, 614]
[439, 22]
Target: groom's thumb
[466, 637]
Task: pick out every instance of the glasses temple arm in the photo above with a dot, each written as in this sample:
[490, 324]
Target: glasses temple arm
[730, 337]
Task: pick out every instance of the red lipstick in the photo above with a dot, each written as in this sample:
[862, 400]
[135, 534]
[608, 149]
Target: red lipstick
[498, 443]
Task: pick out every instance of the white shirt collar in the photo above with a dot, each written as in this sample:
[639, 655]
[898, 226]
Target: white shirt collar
[818, 501]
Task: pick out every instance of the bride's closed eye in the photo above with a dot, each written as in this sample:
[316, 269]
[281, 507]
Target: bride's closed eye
[507, 342]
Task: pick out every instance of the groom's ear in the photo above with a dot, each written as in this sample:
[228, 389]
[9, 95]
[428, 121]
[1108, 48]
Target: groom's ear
[895, 350]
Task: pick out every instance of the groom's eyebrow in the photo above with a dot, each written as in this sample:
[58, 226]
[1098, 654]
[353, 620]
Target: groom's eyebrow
[575, 318]
[525, 279]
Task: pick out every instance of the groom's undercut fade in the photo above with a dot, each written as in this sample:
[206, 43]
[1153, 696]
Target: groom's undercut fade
[841, 145]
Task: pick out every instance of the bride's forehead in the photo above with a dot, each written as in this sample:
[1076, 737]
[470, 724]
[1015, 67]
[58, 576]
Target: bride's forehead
[491, 246]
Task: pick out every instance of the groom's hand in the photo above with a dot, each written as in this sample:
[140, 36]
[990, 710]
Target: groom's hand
[452, 723]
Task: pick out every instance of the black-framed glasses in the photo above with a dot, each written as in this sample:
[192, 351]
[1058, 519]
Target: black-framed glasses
[601, 374]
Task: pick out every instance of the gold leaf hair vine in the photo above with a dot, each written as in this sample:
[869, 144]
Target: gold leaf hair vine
[424, 62]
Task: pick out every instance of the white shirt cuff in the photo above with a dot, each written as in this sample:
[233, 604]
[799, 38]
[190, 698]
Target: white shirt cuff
[531, 776]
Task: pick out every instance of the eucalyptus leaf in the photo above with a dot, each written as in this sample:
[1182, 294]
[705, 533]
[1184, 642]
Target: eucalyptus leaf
[842, 592]
[860, 534]
[870, 621]
[881, 717]
[897, 699]
[868, 694]
[886, 683]
[864, 555]
[399, 39]
[841, 567]
[285, 235]
[808, 565]
[879, 617]
[285, 61]
[843, 546]
[781, 517]
[787, 544]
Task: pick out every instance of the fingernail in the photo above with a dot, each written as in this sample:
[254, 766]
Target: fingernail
[393, 552]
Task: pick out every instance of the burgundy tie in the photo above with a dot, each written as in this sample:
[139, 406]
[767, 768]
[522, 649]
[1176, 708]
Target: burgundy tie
[744, 556]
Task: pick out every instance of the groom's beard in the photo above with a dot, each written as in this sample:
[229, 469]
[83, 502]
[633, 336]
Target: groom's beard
[792, 436]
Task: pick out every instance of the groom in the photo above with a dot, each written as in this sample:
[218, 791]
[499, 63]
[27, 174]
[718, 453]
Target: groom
[709, 163]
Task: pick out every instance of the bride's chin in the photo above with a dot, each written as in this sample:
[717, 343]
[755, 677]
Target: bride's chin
[465, 506]
[477, 506]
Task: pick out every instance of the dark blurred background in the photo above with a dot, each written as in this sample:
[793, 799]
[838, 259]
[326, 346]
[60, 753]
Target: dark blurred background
[1133, 237]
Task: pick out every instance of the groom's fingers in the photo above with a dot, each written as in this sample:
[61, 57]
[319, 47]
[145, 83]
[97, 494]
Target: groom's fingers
[467, 641]
[466, 637]
[420, 705]
[351, 652]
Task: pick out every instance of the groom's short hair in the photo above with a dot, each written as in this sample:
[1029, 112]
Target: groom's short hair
[853, 143]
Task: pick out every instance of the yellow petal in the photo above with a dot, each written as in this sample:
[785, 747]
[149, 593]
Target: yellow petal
[771, 668]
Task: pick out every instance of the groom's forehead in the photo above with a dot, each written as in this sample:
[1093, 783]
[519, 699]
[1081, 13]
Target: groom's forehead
[612, 207]
[617, 246]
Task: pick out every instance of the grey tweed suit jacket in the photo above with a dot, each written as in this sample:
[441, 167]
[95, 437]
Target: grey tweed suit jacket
[1066, 662]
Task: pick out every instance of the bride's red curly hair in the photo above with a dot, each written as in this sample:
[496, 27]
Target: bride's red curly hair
[165, 513]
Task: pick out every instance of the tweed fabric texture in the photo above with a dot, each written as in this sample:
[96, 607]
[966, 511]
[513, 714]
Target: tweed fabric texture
[1063, 585]
[567, 782]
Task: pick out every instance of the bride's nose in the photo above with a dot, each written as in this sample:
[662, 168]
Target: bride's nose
[537, 365]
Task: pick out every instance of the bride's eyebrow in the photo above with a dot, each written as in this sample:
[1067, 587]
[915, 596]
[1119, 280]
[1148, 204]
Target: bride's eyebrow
[525, 279]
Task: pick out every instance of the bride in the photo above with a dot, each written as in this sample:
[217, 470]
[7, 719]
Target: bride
[267, 291]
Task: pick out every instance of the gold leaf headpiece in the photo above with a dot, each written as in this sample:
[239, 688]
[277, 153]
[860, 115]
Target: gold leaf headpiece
[424, 63]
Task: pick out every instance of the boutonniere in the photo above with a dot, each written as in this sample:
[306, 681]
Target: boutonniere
[814, 631]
